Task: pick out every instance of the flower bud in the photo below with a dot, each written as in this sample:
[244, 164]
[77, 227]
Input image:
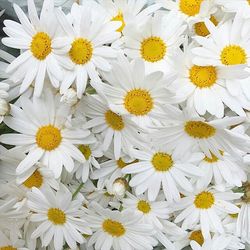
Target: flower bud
[119, 187]
[4, 107]
[69, 97]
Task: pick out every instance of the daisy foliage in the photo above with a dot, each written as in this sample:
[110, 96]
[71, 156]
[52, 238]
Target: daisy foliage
[124, 125]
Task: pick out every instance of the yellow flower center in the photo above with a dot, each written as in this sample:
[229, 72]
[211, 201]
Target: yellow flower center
[203, 76]
[138, 102]
[48, 137]
[197, 236]
[213, 159]
[198, 129]
[119, 17]
[107, 194]
[81, 51]
[41, 45]
[201, 28]
[153, 49]
[233, 55]
[143, 206]
[248, 2]
[35, 180]
[190, 7]
[234, 216]
[86, 151]
[56, 216]
[114, 121]
[204, 200]
[114, 228]
[8, 248]
[162, 161]
[122, 164]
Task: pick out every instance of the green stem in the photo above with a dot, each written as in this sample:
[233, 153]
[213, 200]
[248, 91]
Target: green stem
[77, 191]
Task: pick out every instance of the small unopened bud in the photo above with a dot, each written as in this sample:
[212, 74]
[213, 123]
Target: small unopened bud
[4, 107]
[69, 97]
[119, 187]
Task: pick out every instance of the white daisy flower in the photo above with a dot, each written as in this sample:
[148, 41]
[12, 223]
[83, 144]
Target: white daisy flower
[11, 244]
[205, 87]
[152, 212]
[37, 176]
[134, 93]
[235, 6]
[219, 242]
[188, 131]
[37, 39]
[44, 134]
[116, 130]
[60, 218]
[227, 46]
[128, 12]
[111, 170]
[87, 38]
[217, 51]
[158, 167]
[194, 235]
[156, 42]
[119, 230]
[200, 29]
[222, 171]
[90, 152]
[191, 11]
[205, 207]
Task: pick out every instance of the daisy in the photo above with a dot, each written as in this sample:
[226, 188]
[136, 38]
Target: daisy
[87, 37]
[40, 45]
[199, 27]
[117, 130]
[227, 46]
[128, 12]
[219, 242]
[44, 134]
[235, 6]
[156, 42]
[152, 212]
[205, 207]
[90, 152]
[190, 10]
[37, 176]
[189, 130]
[8, 244]
[205, 87]
[134, 93]
[119, 230]
[111, 170]
[157, 167]
[194, 235]
[221, 172]
[59, 218]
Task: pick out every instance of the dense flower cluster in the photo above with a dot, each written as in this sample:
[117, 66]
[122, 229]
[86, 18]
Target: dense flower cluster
[124, 125]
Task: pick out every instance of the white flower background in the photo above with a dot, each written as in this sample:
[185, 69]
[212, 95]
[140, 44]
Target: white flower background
[124, 124]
